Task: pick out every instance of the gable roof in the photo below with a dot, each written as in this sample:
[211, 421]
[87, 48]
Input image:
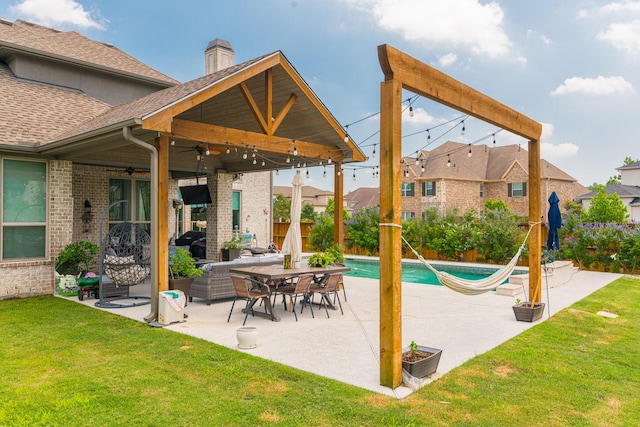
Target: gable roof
[484, 164]
[363, 197]
[634, 165]
[35, 40]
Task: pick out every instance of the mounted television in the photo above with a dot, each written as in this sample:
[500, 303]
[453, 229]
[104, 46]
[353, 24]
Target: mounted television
[195, 194]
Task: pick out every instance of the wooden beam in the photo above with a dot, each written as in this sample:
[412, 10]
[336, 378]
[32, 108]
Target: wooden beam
[433, 84]
[390, 244]
[268, 100]
[214, 88]
[338, 205]
[283, 112]
[162, 144]
[253, 106]
[272, 144]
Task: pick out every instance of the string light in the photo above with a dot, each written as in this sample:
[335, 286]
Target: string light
[228, 150]
[278, 172]
[329, 160]
[428, 137]
[263, 163]
[463, 128]
[173, 138]
[448, 160]
[254, 161]
[422, 167]
[354, 174]
[374, 151]
[288, 159]
[410, 111]
[207, 152]
[295, 150]
[469, 154]
[494, 139]
[307, 173]
[324, 172]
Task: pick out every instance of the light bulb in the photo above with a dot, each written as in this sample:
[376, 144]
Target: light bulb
[278, 172]
[329, 160]
[324, 173]
[421, 168]
[374, 151]
[307, 174]
[263, 163]
[410, 111]
[244, 155]
[288, 160]
[428, 137]
[295, 151]
[346, 138]
[469, 151]
[207, 152]
[463, 128]
[254, 161]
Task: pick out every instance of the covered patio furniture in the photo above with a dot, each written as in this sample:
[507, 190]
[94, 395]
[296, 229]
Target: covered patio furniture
[251, 291]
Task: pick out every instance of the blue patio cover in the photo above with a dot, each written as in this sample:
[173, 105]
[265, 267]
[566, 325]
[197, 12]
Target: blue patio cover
[555, 222]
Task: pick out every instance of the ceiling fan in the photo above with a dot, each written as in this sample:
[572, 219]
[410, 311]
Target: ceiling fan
[130, 170]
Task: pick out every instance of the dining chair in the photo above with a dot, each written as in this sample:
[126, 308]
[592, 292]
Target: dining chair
[328, 286]
[341, 283]
[249, 290]
[300, 288]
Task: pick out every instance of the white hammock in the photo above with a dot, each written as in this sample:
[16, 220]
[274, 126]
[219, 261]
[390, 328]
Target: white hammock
[473, 287]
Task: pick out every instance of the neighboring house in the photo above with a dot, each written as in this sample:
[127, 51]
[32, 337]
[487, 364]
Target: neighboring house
[462, 176]
[361, 198]
[310, 195]
[83, 124]
[628, 190]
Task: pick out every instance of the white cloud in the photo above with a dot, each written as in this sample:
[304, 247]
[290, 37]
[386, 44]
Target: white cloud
[57, 12]
[458, 23]
[551, 151]
[598, 86]
[623, 35]
[531, 34]
[420, 116]
[447, 60]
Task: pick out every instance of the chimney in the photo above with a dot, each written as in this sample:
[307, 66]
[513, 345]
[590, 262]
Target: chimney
[218, 56]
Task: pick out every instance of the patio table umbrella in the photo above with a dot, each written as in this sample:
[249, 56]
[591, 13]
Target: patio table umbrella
[555, 222]
[292, 243]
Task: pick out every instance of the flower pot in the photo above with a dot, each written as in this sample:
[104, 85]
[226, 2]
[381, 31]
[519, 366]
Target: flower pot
[525, 313]
[422, 367]
[230, 254]
[183, 284]
[247, 337]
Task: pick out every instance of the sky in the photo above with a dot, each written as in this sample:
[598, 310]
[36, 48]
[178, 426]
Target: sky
[571, 65]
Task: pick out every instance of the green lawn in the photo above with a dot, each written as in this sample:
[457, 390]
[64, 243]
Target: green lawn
[66, 364]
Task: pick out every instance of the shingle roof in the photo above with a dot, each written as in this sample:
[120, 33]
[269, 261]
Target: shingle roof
[634, 165]
[140, 107]
[31, 112]
[485, 163]
[363, 197]
[621, 190]
[75, 47]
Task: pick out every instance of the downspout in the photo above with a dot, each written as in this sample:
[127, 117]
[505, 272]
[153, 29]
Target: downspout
[126, 132]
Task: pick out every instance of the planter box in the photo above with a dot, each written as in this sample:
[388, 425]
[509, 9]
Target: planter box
[183, 284]
[525, 313]
[230, 254]
[422, 368]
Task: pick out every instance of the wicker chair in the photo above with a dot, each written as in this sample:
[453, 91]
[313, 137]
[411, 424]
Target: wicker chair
[329, 285]
[249, 290]
[301, 287]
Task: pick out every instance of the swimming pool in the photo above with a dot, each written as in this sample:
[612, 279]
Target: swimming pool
[416, 272]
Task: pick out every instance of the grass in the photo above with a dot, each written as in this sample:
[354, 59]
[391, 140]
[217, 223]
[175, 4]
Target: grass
[67, 364]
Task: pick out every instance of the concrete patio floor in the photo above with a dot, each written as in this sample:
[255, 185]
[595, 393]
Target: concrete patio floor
[346, 347]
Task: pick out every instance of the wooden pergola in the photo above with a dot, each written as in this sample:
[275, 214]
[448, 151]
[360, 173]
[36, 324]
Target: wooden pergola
[402, 71]
[262, 105]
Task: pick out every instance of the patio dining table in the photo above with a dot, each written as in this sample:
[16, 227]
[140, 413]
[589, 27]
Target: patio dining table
[274, 275]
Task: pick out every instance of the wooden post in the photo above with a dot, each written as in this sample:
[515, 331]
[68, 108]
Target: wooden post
[390, 246]
[535, 209]
[338, 205]
[162, 144]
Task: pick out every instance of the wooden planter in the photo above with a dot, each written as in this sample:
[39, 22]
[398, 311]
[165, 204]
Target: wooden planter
[230, 254]
[525, 313]
[423, 367]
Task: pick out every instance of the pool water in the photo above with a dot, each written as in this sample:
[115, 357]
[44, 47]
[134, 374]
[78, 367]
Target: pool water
[415, 272]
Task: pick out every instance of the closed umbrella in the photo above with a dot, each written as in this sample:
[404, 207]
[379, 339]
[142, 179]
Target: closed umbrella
[555, 222]
[293, 239]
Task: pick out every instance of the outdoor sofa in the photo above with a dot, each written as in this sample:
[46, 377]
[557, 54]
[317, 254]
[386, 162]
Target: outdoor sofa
[215, 282]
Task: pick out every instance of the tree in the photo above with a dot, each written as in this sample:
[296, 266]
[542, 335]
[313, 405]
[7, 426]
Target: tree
[282, 208]
[331, 208]
[363, 228]
[321, 235]
[496, 205]
[308, 213]
[606, 208]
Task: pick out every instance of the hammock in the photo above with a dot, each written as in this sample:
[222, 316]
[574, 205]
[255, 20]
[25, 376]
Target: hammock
[467, 286]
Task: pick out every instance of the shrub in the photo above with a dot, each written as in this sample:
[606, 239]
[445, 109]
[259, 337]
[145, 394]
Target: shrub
[363, 229]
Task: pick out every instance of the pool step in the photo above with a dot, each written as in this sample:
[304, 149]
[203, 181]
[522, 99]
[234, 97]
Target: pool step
[509, 289]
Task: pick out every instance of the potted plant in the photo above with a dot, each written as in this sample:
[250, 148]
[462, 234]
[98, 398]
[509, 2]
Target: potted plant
[321, 259]
[527, 312]
[420, 361]
[183, 270]
[231, 249]
[74, 260]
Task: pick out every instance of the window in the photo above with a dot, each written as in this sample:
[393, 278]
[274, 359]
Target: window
[429, 188]
[407, 190]
[407, 215]
[481, 190]
[137, 202]
[517, 189]
[235, 215]
[24, 209]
